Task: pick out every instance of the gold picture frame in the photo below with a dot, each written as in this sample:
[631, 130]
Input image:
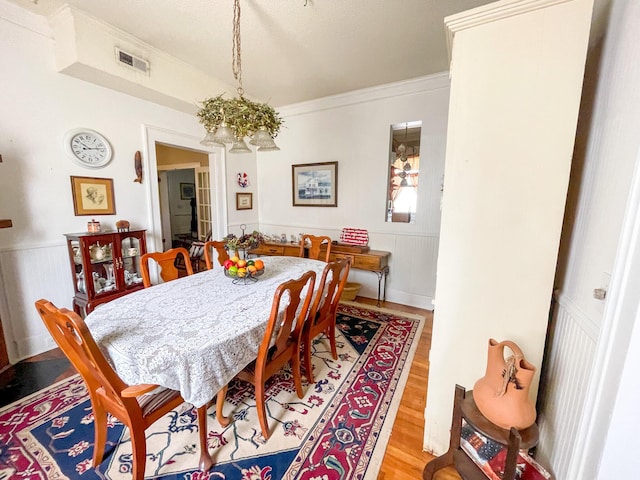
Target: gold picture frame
[93, 196]
[244, 201]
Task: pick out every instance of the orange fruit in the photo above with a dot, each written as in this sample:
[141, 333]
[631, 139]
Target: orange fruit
[259, 264]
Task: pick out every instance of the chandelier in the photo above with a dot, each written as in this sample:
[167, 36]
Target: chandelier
[230, 121]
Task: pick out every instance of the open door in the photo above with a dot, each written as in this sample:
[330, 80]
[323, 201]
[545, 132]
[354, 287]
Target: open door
[203, 202]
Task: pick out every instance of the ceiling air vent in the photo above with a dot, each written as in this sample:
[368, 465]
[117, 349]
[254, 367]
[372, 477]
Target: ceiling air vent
[131, 61]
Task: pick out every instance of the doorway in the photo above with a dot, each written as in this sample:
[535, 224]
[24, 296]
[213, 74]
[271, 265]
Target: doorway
[185, 209]
[210, 184]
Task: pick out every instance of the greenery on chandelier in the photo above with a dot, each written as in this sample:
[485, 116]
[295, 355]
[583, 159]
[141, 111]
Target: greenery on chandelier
[243, 116]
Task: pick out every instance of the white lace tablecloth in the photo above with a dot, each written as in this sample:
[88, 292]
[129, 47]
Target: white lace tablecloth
[193, 334]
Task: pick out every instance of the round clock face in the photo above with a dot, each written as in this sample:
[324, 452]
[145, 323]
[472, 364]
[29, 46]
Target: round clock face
[87, 148]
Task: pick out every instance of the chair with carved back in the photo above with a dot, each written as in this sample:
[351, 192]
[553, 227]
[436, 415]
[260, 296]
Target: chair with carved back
[218, 246]
[322, 314]
[315, 244]
[134, 405]
[280, 344]
[166, 264]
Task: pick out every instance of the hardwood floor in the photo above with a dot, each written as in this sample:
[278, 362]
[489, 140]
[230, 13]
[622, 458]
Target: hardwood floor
[33, 374]
[404, 458]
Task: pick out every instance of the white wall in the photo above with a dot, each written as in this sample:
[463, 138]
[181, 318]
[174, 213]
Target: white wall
[353, 129]
[243, 163]
[38, 107]
[510, 137]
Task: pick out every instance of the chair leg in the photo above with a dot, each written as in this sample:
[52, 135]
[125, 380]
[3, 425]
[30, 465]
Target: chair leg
[308, 366]
[100, 427]
[222, 420]
[331, 333]
[139, 451]
[262, 413]
[297, 374]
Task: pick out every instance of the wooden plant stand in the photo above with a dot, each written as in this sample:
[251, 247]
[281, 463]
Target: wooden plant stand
[464, 407]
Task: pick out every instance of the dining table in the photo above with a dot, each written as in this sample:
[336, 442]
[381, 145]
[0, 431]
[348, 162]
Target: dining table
[195, 333]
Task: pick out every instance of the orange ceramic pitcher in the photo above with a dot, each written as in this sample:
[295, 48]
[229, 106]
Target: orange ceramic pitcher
[502, 395]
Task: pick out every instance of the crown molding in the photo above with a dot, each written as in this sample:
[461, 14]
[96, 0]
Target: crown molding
[428, 83]
[23, 18]
[490, 13]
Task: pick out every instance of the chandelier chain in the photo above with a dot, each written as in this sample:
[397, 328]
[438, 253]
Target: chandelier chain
[236, 64]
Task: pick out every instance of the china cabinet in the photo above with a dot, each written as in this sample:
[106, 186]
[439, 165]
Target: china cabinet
[104, 266]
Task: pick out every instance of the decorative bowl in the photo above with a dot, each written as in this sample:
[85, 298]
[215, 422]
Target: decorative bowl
[242, 277]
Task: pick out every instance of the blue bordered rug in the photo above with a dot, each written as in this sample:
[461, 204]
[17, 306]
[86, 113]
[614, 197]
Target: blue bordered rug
[339, 430]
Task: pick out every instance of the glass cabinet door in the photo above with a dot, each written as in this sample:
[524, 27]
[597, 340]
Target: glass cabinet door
[130, 249]
[99, 276]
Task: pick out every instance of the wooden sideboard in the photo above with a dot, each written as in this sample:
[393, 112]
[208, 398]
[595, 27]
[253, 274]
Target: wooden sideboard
[376, 261]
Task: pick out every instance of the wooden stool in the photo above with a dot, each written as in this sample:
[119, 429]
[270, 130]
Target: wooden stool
[465, 408]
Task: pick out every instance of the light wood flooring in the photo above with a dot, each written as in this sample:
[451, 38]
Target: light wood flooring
[404, 458]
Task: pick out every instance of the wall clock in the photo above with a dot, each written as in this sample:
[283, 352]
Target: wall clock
[87, 148]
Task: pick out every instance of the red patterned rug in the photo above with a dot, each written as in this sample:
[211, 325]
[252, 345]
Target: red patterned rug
[339, 430]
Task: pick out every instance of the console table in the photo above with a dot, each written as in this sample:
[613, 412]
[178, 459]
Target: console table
[376, 261]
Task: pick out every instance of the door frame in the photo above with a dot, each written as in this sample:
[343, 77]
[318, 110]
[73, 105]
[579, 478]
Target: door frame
[217, 171]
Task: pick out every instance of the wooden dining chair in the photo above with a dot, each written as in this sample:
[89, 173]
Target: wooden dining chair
[322, 315]
[218, 246]
[316, 243]
[280, 344]
[134, 405]
[166, 263]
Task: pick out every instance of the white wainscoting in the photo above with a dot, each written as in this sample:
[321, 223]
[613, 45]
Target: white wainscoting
[568, 369]
[29, 274]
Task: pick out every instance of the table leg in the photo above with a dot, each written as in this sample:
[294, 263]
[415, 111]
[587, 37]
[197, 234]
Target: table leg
[384, 288]
[382, 273]
[205, 459]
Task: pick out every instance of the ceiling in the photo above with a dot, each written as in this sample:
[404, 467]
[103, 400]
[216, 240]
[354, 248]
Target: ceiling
[292, 50]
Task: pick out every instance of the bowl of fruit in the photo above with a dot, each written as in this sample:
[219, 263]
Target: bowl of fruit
[243, 271]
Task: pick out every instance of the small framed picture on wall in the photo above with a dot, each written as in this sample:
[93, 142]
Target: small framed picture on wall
[244, 201]
[187, 191]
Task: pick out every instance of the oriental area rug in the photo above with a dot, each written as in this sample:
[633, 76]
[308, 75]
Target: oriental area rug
[339, 430]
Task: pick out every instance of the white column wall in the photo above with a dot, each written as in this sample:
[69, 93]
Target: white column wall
[516, 81]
